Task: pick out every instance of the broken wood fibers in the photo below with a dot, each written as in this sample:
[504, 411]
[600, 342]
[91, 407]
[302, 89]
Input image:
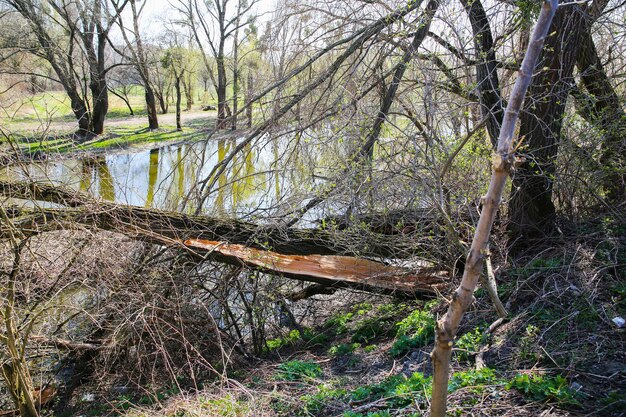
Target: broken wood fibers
[331, 270]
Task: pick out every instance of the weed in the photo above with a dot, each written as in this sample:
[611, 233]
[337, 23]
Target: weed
[370, 329]
[326, 394]
[417, 329]
[615, 400]
[298, 370]
[362, 308]
[537, 265]
[544, 388]
[293, 337]
[369, 348]
[382, 413]
[528, 342]
[473, 378]
[343, 349]
[399, 390]
[339, 323]
[469, 343]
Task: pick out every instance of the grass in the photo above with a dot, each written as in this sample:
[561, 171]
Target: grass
[115, 138]
[33, 123]
[298, 371]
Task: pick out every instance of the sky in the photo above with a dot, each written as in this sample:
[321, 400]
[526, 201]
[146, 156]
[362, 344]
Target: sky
[156, 11]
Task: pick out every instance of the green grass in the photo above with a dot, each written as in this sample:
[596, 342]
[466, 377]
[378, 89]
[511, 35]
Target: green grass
[115, 138]
[298, 371]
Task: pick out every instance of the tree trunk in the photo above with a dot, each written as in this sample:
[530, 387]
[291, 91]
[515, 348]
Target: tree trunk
[179, 127]
[157, 225]
[531, 211]
[188, 87]
[236, 69]
[486, 71]
[605, 113]
[221, 92]
[250, 93]
[503, 161]
[100, 94]
[153, 121]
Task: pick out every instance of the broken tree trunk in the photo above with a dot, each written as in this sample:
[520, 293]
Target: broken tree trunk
[159, 226]
[331, 270]
[504, 159]
[206, 236]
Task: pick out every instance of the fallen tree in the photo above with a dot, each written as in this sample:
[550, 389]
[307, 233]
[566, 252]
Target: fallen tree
[331, 270]
[309, 255]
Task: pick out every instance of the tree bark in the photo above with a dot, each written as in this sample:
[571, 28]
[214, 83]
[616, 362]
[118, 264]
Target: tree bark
[179, 126]
[503, 161]
[605, 113]
[531, 211]
[486, 70]
[159, 226]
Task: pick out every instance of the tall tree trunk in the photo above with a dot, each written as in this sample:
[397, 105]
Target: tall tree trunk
[153, 121]
[79, 108]
[486, 71]
[188, 88]
[605, 113]
[179, 127]
[236, 69]
[531, 211]
[221, 92]
[250, 93]
[503, 162]
[100, 99]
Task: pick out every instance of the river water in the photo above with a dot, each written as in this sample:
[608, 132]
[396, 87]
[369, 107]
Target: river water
[258, 181]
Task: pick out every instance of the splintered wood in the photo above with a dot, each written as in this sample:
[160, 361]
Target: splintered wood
[332, 270]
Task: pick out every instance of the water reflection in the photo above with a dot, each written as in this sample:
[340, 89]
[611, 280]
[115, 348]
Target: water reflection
[259, 177]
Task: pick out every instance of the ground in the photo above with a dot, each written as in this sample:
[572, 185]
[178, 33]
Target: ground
[42, 127]
[558, 353]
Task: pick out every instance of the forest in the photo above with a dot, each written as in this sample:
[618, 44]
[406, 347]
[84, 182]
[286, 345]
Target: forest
[311, 208]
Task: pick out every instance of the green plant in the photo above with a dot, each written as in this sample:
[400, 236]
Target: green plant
[370, 329]
[528, 342]
[382, 413]
[369, 348]
[544, 388]
[339, 322]
[473, 378]
[615, 400]
[469, 343]
[417, 329]
[315, 403]
[293, 337]
[343, 349]
[399, 390]
[298, 370]
[537, 265]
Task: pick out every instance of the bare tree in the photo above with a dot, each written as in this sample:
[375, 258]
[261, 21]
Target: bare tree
[138, 56]
[202, 18]
[88, 24]
[503, 161]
